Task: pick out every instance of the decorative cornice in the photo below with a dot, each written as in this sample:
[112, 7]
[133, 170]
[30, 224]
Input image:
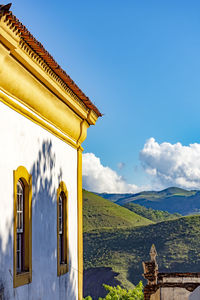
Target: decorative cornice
[21, 109]
[50, 65]
[178, 275]
[40, 61]
[42, 64]
[29, 76]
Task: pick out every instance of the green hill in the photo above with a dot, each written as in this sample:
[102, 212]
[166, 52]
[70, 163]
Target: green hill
[173, 200]
[151, 214]
[177, 243]
[99, 213]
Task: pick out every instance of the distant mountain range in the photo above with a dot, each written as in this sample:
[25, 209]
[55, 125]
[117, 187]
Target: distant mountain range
[172, 200]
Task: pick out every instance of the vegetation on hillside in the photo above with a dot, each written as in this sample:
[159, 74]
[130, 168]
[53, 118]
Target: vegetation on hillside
[177, 243]
[99, 213]
[118, 238]
[151, 214]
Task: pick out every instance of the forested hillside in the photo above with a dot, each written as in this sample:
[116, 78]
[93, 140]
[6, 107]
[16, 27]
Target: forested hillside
[112, 240]
[151, 214]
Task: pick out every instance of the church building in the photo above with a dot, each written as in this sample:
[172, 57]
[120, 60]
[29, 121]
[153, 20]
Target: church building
[44, 117]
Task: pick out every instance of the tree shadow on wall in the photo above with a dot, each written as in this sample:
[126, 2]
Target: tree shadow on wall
[6, 263]
[45, 283]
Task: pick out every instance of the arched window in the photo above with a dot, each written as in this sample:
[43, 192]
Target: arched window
[20, 226]
[22, 264]
[62, 230]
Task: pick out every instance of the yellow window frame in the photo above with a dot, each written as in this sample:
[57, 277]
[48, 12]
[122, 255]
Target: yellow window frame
[25, 277]
[63, 268]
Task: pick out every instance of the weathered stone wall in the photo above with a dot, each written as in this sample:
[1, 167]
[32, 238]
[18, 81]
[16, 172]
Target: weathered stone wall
[175, 293]
[169, 286]
[174, 286]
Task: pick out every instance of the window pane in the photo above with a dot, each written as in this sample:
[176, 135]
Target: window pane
[20, 226]
[60, 248]
[20, 199]
[19, 253]
[61, 227]
[60, 214]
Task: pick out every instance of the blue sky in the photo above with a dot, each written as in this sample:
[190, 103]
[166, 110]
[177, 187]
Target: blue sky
[139, 62]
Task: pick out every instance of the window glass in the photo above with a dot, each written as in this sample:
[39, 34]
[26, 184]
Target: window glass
[20, 226]
[62, 230]
[61, 226]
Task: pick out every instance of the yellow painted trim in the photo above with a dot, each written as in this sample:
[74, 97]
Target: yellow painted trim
[92, 117]
[83, 132]
[31, 90]
[6, 99]
[25, 277]
[27, 90]
[80, 223]
[63, 268]
[63, 93]
[25, 78]
[37, 66]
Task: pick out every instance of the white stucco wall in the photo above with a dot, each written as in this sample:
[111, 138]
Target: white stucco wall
[49, 160]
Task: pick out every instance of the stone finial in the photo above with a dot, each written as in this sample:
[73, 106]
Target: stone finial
[151, 268]
[153, 253]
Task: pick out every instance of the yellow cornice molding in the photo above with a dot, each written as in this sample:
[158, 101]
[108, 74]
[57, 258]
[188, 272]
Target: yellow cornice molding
[83, 132]
[11, 31]
[92, 117]
[51, 74]
[35, 64]
[7, 40]
[39, 68]
[21, 109]
[20, 85]
[28, 79]
[34, 48]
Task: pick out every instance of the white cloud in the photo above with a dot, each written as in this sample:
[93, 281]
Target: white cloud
[167, 164]
[101, 179]
[172, 164]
